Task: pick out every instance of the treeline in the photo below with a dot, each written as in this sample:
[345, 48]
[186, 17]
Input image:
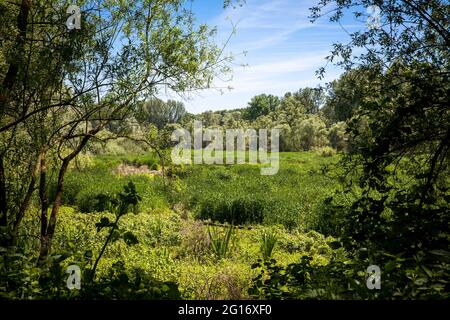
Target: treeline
[301, 117]
[310, 118]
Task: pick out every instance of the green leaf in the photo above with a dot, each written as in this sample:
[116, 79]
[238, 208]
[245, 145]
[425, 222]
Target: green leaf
[440, 252]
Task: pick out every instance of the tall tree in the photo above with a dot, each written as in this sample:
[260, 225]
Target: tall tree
[312, 99]
[347, 93]
[160, 113]
[400, 144]
[61, 87]
[261, 105]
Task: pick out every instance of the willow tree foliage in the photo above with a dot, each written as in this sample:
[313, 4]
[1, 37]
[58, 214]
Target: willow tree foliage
[61, 86]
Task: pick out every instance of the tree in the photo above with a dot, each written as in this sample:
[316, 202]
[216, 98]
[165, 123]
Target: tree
[309, 133]
[61, 88]
[400, 148]
[232, 120]
[210, 119]
[160, 113]
[347, 93]
[336, 136]
[311, 99]
[261, 105]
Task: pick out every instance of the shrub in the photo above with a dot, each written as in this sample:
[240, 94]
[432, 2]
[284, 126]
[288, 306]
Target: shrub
[236, 211]
[120, 284]
[224, 175]
[325, 151]
[164, 231]
[215, 281]
[336, 136]
[93, 202]
[310, 132]
[232, 281]
[82, 161]
[176, 171]
[195, 240]
[303, 280]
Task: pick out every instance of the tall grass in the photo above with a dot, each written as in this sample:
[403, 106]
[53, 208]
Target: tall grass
[85, 189]
[239, 194]
[234, 194]
[220, 242]
[268, 242]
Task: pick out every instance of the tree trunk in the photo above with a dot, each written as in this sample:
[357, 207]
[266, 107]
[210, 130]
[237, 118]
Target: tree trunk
[56, 204]
[13, 69]
[48, 227]
[6, 86]
[44, 211]
[3, 200]
[26, 201]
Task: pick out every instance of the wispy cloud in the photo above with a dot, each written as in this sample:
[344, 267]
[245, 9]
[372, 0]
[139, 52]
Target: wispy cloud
[264, 23]
[284, 49]
[276, 77]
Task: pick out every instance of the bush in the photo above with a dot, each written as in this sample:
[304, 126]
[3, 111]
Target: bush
[310, 133]
[195, 240]
[231, 280]
[93, 202]
[237, 211]
[325, 151]
[122, 284]
[303, 280]
[336, 136]
[223, 280]
[82, 161]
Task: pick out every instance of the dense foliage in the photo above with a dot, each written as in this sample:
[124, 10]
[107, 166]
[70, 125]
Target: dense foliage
[86, 178]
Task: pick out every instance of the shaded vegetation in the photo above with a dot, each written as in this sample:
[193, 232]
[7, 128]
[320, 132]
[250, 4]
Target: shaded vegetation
[363, 181]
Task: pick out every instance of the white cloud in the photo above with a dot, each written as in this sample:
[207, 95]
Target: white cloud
[284, 51]
[273, 77]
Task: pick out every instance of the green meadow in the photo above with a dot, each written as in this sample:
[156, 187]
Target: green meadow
[181, 217]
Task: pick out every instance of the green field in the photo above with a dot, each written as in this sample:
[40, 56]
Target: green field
[180, 216]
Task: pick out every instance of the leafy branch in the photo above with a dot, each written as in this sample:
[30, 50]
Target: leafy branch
[125, 202]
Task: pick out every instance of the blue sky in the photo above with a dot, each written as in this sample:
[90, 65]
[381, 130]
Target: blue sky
[283, 49]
